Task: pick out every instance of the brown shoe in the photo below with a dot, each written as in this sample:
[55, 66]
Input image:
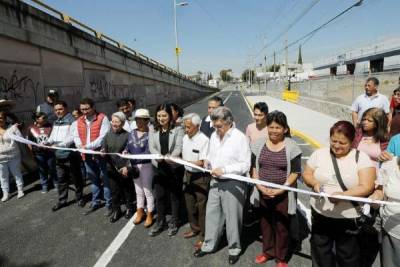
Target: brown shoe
[139, 216]
[197, 245]
[149, 220]
[190, 234]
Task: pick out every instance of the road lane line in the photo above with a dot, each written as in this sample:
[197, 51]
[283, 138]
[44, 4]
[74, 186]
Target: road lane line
[109, 253]
[226, 99]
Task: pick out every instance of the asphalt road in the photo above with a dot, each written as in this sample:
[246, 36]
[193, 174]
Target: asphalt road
[32, 235]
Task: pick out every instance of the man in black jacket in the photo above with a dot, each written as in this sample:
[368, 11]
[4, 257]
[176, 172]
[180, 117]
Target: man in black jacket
[67, 162]
[206, 123]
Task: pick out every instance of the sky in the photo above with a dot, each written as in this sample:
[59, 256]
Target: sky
[236, 34]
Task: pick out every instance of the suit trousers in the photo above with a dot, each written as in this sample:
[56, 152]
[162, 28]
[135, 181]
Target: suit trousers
[196, 193]
[225, 204]
[122, 189]
[69, 168]
[167, 186]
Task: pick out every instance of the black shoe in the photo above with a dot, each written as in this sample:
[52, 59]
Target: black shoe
[199, 253]
[81, 203]
[108, 212]
[116, 214]
[58, 206]
[92, 208]
[129, 213]
[157, 229]
[233, 259]
[172, 229]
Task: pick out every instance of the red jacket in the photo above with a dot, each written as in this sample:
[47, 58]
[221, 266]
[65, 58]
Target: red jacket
[95, 128]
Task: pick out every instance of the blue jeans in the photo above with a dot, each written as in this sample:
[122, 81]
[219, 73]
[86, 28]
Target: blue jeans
[47, 167]
[96, 171]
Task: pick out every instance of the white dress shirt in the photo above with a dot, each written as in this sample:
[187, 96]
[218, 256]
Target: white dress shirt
[232, 153]
[194, 148]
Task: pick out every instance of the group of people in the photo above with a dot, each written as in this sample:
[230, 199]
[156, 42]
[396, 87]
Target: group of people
[215, 204]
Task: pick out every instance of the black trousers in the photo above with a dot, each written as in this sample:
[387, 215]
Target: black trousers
[66, 169]
[122, 190]
[331, 243]
[196, 194]
[167, 186]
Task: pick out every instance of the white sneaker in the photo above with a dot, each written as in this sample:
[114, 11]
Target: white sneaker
[5, 197]
[20, 194]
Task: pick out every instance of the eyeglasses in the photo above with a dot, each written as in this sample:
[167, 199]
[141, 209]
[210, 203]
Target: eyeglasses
[84, 109]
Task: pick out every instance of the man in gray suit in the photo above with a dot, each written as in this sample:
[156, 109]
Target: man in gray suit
[229, 153]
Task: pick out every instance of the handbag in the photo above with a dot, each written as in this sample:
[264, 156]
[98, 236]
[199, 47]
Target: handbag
[365, 222]
[134, 172]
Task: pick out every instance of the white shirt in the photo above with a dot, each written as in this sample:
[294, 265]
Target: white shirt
[194, 148]
[231, 153]
[129, 126]
[364, 102]
[389, 177]
[105, 127]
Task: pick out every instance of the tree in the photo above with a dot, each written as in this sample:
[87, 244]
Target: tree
[271, 68]
[245, 75]
[300, 58]
[210, 77]
[225, 76]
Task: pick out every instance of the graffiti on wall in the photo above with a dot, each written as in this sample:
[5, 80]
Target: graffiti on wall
[99, 86]
[16, 87]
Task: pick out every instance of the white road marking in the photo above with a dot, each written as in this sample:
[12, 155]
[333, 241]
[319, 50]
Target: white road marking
[305, 157]
[226, 99]
[306, 212]
[109, 253]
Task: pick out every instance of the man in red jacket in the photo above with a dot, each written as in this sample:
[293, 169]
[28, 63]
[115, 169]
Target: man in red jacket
[91, 129]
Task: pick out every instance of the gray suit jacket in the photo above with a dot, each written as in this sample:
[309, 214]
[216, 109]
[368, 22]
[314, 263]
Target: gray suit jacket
[174, 142]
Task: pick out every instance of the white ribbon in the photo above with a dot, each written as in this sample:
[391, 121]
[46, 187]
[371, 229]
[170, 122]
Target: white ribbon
[226, 176]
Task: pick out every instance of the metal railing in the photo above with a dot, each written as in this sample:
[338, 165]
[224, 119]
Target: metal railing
[341, 90]
[99, 35]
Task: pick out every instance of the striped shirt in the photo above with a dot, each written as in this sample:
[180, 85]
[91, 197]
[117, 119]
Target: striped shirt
[273, 166]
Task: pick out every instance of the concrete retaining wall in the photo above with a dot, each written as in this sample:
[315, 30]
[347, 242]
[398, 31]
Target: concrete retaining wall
[39, 52]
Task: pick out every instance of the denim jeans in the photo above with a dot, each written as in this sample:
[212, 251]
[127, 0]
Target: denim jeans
[14, 167]
[47, 167]
[96, 171]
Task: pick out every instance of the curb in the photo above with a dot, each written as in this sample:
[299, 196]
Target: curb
[314, 143]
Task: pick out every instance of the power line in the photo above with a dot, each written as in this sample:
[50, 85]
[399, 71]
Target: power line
[295, 21]
[309, 35]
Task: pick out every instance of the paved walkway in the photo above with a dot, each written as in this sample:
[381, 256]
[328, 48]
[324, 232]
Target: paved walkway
[309, 124]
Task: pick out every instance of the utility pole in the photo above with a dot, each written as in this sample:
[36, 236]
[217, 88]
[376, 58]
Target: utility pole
[286, 58]
[176, 39]
[265, 76]
[274, 65]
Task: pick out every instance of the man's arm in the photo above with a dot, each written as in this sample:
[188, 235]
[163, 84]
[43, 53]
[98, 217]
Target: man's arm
[105, 127]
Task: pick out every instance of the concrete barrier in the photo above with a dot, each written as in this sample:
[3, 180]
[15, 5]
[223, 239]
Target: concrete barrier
[40, 52]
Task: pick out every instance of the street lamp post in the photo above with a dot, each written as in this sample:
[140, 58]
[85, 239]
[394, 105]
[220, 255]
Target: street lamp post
[177, 49]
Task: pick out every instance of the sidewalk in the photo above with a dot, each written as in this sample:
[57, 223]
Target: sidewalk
[306, 123]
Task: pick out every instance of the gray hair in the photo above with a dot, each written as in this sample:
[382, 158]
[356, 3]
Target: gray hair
[222, 113]
[120, 115]
[193, 117]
